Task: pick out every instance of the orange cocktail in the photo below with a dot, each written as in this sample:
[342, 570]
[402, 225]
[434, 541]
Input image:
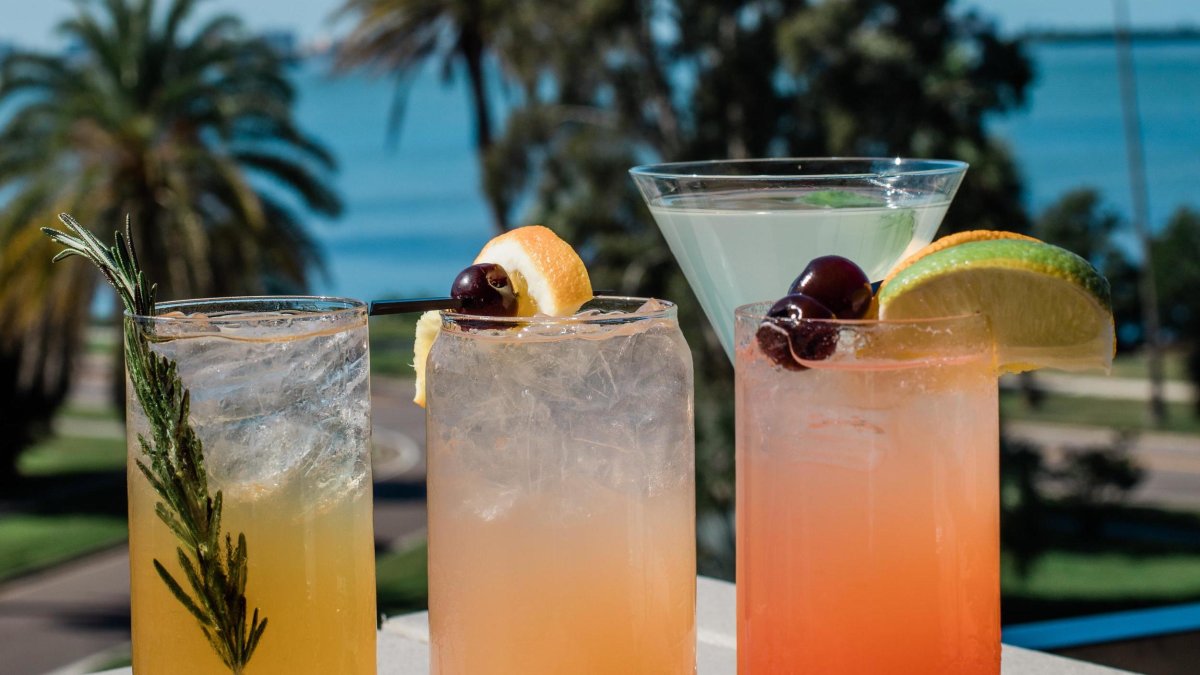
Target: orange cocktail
[867, 503]
[279, 397]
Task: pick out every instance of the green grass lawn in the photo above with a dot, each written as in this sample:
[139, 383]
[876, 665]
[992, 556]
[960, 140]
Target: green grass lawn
[1079, 583]
[1103, 412]
[101, 339]
[74, 454]
[402, 580]
[1108, 577]
[1128, 557]
[1134, 365]
[31, 542]
[392, 344]
[70, 502]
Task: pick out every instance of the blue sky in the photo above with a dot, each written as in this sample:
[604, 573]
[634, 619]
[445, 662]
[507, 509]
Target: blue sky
[31, 22]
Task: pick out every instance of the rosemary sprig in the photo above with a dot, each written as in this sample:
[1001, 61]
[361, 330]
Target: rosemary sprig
[216, 575]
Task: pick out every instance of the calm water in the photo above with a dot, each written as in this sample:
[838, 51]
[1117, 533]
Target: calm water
[415, 216]
[1071, 134]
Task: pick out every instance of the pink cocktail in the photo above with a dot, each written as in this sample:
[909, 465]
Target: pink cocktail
[867, 502]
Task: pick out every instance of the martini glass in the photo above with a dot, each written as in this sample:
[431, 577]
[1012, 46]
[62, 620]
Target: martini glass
[743, 229]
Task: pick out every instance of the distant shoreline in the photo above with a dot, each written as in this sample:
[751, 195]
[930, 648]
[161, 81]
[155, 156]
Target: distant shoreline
[292, 48]
[1052, 36]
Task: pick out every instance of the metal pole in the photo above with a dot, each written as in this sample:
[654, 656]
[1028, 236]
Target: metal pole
[1141, 209]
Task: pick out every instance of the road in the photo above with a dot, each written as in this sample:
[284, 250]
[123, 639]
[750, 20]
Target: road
[1171, 461]
[1101, 386]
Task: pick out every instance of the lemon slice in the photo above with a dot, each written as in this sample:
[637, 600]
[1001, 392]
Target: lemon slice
[428, 328]
[547, 275]
[1048, 307]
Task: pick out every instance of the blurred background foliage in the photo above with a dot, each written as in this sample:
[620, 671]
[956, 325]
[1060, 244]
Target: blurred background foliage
[177, 124]
[636, 81]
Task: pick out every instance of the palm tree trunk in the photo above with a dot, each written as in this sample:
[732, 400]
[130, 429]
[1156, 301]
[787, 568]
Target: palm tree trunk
[14, 431]
[472, 49]
[1141, 209]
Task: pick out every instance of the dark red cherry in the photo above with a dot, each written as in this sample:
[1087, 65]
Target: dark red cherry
[785, 336]
[485, 289]
[838, 284]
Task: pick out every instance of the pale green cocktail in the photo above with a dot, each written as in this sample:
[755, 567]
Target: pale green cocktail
[742, 230]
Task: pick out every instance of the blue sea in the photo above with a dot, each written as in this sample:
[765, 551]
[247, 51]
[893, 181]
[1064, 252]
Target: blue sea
[1071, 132]
[414, 211]
[415, 216]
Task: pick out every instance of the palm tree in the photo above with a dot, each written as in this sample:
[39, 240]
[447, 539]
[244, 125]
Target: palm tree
[399, 36]
[187, 132]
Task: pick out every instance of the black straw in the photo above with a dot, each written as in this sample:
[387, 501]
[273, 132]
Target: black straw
[381, 307]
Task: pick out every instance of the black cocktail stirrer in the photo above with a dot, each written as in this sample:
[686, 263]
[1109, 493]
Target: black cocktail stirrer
[384, 307]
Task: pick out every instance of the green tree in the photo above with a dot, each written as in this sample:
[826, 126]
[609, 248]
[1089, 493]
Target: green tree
[188, 132]
[1177, 275]
[1079, 222]
[696, 79]
[398, 37]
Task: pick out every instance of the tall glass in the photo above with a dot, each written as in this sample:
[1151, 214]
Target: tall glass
[742, 230]
[867, 501]
[561, 494]
[280, 399]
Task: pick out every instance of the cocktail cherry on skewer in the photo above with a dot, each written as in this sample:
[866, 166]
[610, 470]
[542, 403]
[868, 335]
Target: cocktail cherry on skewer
[830, 287]
[485, 289]
[837, 283]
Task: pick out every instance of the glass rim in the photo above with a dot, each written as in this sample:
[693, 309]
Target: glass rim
[668, 311]
[757, 311]
[696, 170]
[341, 306]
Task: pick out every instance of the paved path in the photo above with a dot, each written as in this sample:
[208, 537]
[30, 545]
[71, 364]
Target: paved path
[66, 614]
[1172, 461]
[1102, 386]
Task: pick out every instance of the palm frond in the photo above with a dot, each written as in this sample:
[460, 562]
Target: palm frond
[145, 119]
[293, 175]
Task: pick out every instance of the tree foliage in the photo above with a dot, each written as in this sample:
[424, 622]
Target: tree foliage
[1178, 273]
[186, 127]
